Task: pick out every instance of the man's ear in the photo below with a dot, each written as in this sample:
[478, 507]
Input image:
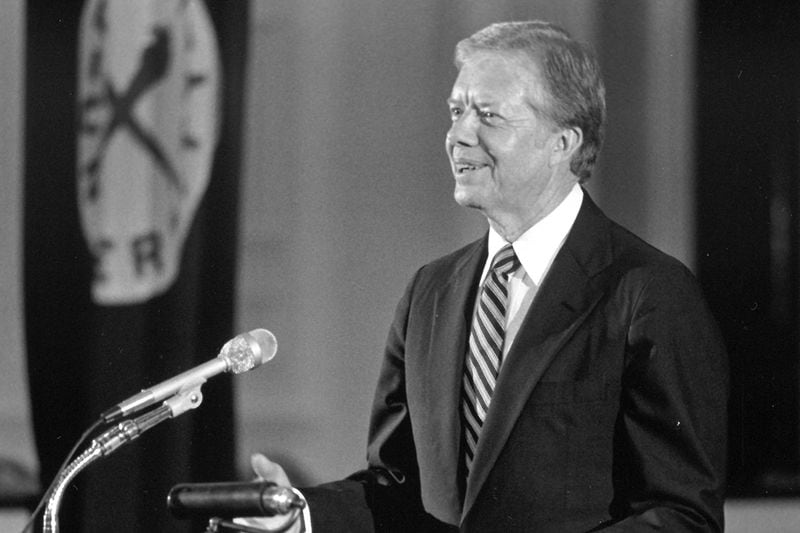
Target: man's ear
[568, 140]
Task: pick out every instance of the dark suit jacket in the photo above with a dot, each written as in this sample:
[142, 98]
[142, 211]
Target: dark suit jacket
[609, 411]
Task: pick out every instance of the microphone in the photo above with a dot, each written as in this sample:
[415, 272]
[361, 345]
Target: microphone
[240, 354]
[234, 499]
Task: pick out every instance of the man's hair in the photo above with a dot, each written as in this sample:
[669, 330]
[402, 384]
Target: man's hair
[574, 88]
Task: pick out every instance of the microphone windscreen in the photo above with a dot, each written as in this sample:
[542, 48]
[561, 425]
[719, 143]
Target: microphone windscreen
[267, 343]
[248, 350]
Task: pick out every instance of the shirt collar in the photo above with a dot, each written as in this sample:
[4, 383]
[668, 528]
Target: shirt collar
[538, 246]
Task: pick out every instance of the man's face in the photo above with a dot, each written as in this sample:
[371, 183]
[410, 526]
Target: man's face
[499, 146]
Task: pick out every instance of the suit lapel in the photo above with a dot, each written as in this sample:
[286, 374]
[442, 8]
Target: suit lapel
[566, 297]
[452, 312]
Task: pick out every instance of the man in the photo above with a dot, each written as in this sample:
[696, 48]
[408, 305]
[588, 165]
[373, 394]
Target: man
[576, 383]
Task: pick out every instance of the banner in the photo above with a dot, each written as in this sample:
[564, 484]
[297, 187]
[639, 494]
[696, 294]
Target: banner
[132, 158]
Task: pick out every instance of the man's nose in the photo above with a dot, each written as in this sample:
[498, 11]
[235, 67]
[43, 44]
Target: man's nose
[464, 130]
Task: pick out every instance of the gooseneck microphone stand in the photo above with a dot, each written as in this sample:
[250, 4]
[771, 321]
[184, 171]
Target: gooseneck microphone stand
[187, 398]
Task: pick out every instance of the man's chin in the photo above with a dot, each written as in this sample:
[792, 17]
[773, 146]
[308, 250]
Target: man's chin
[466, 200]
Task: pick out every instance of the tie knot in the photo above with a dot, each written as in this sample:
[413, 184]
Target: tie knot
[505, 261]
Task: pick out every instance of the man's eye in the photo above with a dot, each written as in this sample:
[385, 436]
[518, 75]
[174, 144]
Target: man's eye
[487, 115]
[455, 112]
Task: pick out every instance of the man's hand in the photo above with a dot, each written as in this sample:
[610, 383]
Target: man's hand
[266, 470]
[269, 471]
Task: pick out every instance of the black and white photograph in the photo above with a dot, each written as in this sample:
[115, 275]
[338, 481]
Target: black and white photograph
[410, 266]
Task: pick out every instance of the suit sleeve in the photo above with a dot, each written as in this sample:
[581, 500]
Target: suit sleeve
[385, 497]
[671, 454]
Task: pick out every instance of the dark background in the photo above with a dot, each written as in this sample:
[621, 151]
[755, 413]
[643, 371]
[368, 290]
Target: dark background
[747, 190]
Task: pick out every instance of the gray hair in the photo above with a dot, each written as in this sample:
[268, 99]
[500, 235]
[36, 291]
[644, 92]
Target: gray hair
[574, 88]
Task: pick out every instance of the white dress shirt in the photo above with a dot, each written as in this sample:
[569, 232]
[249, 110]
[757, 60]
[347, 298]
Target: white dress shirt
[536, 249]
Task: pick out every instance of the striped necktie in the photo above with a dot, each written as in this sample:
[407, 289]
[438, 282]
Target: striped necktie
[486, 347]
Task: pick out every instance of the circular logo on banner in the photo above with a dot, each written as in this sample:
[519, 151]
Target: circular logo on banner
[148, 102]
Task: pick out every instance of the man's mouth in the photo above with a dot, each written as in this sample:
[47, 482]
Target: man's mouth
[462, 167]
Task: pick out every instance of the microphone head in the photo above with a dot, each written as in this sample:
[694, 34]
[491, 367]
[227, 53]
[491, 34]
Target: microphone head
[265, 344]
[249, 350]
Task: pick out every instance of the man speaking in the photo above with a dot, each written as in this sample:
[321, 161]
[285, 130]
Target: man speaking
[558, 374]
